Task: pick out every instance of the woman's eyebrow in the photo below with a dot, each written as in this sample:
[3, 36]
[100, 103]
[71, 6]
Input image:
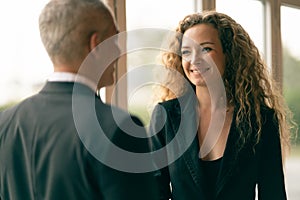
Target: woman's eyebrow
[203, 43]
[185, 47]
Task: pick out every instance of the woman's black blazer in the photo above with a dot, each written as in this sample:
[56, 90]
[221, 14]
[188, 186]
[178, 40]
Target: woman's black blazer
[242, 172]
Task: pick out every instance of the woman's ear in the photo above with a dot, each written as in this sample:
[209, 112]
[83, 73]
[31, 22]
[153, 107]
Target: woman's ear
[94, 41]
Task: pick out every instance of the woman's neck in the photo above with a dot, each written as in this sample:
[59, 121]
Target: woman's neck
[210, 100]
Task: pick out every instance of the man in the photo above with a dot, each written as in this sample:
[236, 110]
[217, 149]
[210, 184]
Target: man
[50, 146]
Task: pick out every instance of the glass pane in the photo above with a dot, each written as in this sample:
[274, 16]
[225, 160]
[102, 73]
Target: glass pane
[24, 62]
[291, 90]
[147, 23]
[248, 13]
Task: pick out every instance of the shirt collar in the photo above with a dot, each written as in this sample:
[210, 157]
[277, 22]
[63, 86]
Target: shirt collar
[72, 77]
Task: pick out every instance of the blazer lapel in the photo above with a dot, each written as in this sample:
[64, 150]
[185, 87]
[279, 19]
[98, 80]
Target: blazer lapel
[229, 160]
[191, 158]
[186, 116]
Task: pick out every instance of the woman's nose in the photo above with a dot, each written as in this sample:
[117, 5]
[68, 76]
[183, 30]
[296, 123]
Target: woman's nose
[197, 58]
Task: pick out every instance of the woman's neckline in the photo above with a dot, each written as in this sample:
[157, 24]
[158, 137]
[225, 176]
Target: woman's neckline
[213, 160]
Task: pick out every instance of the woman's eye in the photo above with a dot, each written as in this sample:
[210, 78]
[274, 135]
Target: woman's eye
[206, 49]
[185, 52]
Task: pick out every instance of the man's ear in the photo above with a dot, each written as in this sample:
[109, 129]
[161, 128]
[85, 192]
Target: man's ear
[94, 40]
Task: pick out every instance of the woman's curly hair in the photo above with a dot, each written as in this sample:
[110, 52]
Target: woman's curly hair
[248, 84]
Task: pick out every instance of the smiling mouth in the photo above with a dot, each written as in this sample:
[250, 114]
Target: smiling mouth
[200, 70]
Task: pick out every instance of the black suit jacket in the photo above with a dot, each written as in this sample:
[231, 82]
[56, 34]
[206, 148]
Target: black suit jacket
[43, 157]
[240, 171]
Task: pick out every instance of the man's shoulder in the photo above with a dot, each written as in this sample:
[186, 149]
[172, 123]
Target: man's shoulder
[116, 114]
[12, 110]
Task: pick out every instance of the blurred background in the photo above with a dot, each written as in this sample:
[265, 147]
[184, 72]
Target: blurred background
[272, 24]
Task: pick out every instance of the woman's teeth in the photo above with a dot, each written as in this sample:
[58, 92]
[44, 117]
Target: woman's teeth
[200, 71]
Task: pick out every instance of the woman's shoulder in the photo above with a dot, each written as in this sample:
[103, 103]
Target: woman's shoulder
[180, 101]
[169, 106]
[267, 113]
[266, 110]
[169, 103]
[264, 113]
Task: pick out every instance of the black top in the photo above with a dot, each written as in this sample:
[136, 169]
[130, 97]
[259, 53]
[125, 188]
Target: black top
[210, 171]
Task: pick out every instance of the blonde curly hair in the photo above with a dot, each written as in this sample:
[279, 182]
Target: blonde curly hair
[247, 81]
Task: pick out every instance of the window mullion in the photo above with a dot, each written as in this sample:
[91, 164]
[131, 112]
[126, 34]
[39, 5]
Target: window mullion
[273, 39]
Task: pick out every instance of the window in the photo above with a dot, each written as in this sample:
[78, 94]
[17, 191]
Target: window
[291, 89]
[24, 61]
[248, 13]
[147, 24]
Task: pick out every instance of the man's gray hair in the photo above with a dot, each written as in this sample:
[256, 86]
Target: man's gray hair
[64, 27]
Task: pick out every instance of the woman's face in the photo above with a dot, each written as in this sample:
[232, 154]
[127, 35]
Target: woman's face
[202, 54]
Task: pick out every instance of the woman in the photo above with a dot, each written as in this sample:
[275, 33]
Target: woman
[220, 141]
